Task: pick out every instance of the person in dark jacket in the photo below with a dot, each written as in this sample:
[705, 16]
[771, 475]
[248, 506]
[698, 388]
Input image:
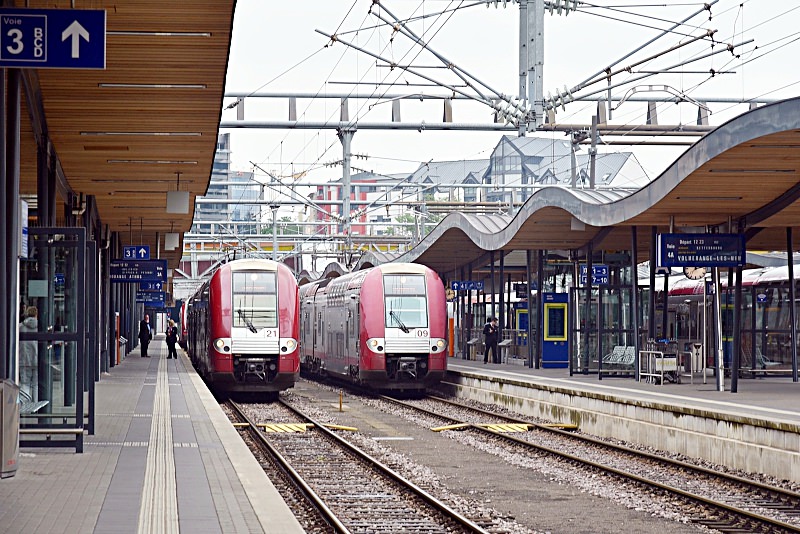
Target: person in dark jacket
[491, 335]
[172, 339]
[145, 334]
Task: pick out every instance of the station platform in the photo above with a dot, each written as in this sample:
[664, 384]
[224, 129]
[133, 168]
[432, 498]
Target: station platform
[164, 458]
[756, 429]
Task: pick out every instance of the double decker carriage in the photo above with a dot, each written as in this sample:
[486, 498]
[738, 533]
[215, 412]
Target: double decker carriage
[383, 327]
[242, 327]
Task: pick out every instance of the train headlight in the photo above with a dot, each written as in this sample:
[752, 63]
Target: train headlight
[438, 344]
[288, 344]
[375, 344]
[222, 344]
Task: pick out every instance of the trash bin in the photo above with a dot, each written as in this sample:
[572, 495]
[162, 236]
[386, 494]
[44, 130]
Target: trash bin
[9, 428]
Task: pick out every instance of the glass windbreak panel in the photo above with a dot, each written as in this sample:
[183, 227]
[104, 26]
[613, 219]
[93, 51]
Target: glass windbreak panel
[51, 307]
[48, 281]
[47, 392]
[255, 300]
[406, 304]
[617, 309]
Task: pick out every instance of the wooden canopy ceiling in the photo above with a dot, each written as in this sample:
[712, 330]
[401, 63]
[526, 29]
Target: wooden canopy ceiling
[145, 125]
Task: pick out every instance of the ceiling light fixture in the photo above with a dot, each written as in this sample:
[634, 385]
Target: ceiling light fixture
[709, 198]
[753, 171]
[776, 146]
[118, 148]
[118, 180]
[166, 134]
[154, 85]
[154, 161]
[160, 34]
[178, 201]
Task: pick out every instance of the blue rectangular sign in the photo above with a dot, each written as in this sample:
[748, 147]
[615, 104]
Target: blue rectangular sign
[701, 250]
[140, 252]
[151, 286]
[52, 38]
[138, 271]
[151, 297]
[599, 274]
[466, 285]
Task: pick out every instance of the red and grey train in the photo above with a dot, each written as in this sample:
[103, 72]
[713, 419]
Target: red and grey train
[383, 327]
[242, 327]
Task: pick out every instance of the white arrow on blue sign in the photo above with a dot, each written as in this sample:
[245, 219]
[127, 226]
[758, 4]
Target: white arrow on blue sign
[52, 38]
[140, 252]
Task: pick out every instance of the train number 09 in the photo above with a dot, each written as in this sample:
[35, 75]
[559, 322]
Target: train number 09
[422, 333]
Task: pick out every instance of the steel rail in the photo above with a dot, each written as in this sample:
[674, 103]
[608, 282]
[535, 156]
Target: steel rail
[784, 495]
[295, 477]
[441, 507]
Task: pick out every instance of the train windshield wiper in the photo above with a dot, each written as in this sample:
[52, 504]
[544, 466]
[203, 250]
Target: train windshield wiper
[396, 317]
[247, 321]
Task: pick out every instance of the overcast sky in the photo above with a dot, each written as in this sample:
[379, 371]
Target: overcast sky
[271, 37]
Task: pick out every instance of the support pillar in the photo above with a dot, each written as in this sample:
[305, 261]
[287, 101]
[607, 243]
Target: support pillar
[792, 290]
[494, 289]
[737, 331]
[651, 312]
[529, 299]
[12, 227]
[5, 359]
[501, 315]
[539, 315]
[635, 302]
[588, 311]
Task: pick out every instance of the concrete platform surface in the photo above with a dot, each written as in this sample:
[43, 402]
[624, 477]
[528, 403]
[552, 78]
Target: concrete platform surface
[164, 458]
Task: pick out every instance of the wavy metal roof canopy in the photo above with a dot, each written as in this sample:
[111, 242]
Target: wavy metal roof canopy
[746, 171]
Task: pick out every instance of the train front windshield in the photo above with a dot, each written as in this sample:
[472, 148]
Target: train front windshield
[406, 302]
[255, 300]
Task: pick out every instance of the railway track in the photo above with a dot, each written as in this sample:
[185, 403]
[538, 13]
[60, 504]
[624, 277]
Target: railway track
[352, 491]
[717, 500]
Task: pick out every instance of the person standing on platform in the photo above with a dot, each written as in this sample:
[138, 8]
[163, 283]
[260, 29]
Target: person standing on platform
[29, 355]
[172, 339]
[145, 334]
[490, 334]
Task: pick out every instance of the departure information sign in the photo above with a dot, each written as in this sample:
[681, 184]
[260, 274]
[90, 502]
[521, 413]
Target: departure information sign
[151, 297]
[701, 250]
[138, 271]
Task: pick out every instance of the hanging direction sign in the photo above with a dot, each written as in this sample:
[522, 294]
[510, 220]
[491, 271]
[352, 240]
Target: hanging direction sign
[599, 275]
[466, 285]
[701, 250]
[141, 252]
[151, 297]
[52, 38]
[138, 271]
[151, 286]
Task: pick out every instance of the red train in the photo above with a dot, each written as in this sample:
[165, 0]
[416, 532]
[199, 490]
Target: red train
[383, 327]
[242, 327]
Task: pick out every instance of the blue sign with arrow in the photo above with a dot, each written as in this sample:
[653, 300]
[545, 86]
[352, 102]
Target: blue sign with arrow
[151, 286]
[466, 285]
[52, 38]
[142, 252]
